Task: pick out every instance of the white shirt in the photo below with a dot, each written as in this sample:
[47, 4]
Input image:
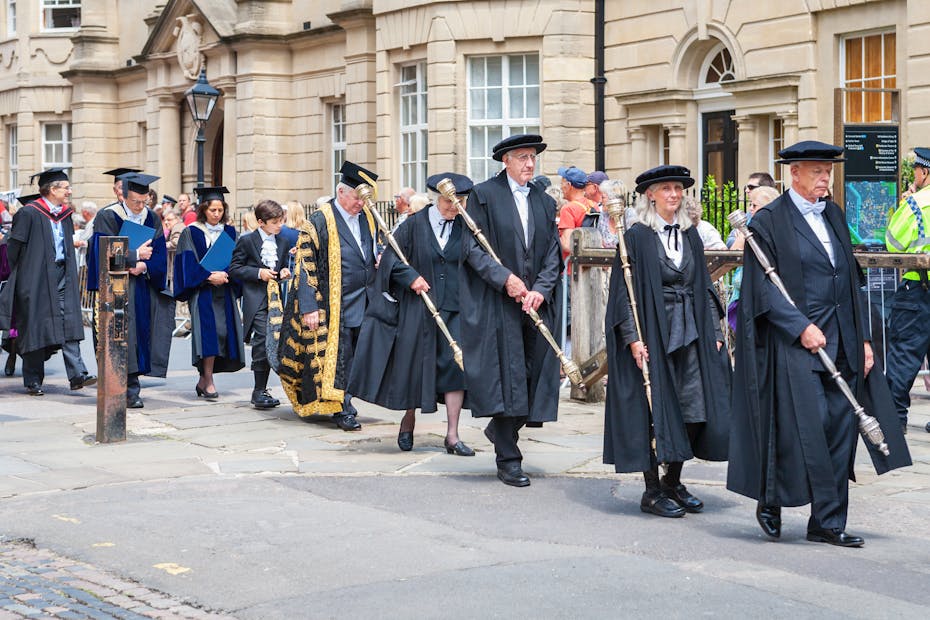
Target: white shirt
[353, 223]
[667, 238]
[523, 208]
[269, 251]
[816, 222]
[442, 227]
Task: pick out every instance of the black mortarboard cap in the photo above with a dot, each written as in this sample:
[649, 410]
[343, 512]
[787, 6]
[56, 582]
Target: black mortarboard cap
[168, 199]
[137, 182]
[810, 150]
[24, 200]
[660, 174]
[352, 175]
[49, 176]
[518, 141]
[118, 172]
[462, 183]
[206, 194]
[922, 157]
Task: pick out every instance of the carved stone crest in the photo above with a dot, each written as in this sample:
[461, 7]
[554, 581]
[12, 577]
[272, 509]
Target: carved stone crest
[188, 31]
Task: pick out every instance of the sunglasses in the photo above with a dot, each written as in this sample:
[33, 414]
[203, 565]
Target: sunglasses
[750, 187]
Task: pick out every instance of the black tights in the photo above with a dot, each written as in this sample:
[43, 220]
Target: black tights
[673, 474]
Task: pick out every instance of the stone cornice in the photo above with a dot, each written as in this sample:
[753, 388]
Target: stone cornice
[761, 83]
[651, 96]
[102, 74]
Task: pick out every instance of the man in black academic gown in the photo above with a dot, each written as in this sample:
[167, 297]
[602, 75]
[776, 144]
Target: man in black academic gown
[148, 267]
[511, 373]
[335, 264]
[42, 295]
[793, 434]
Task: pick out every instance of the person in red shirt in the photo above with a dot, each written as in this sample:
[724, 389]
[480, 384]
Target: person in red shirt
[573, 211]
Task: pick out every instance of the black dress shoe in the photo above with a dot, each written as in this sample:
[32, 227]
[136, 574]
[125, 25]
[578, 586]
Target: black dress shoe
[680, 495]
[134, 403]
[459, 449]
[34, 389]
[658, 503]
[83, 381]
[10, 367]
[513, 476]
[835, 536]
[769, 518]
[261, 399]
[405, 440]
[201, 393]
[347, 422]
[927, 427]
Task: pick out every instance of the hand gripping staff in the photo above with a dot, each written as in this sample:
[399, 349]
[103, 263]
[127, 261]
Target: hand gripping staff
[366, 193]
[868, 425]
[447, 189]
[616, 209]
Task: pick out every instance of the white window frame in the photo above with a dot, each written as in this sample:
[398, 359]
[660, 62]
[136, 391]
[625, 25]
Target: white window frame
[11, 17]
[65, 144]
[886, 114]
[338, 142]
[12, 140]
[508, 125]
[776, 171]
[413, 148]
[47, 6]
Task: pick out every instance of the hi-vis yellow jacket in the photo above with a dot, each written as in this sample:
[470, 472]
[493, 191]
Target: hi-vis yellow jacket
[908, 227]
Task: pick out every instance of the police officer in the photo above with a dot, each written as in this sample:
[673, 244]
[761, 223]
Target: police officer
[908, 336]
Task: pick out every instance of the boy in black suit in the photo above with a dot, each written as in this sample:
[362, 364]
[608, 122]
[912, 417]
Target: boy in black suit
[259, 257]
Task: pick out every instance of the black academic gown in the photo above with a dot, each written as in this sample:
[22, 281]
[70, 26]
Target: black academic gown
[516, 370]
[31, 293]
[145, 331]
[245, 265]
[778, 452]
[396, 358]
[216, 329]
[627, 416]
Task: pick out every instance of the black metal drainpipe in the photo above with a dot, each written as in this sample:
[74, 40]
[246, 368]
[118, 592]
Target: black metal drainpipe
[599, 80]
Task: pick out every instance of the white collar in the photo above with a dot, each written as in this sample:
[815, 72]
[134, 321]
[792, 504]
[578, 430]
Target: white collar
[264, 236]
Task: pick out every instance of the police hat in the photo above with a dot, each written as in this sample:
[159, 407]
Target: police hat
[49, 176]
[169, 200]
[518, 141]
[206, 194]
[810, 150]
[922, 157]
[137, 182]
[352, 175]
[462, 183]
[660, 174]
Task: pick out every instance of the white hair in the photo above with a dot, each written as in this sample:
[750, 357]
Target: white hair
[646, 212]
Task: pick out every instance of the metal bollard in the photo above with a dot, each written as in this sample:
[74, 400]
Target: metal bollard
[112, 347]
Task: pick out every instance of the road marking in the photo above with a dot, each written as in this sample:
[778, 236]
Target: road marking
[66, 519]
[103, 544]
[171, 568]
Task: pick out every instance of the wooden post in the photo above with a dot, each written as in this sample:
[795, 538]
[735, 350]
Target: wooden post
[112, 347]
[588, 298]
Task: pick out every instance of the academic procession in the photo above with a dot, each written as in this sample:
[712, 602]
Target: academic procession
[456, 303]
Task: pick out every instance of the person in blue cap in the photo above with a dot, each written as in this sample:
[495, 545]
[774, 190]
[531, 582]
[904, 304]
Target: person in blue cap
[148, 269]
[793, 438]
[42, 295]
[404, 361]
[908, 336]
[326, 303]
[514, 372]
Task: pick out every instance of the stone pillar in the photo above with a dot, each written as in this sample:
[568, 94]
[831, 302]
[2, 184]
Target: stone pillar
[447, 149]
[361, 86]
[789, 127]
[748, 146]
[230, 140]
[639, 157]
[677, 144]
[169, 144]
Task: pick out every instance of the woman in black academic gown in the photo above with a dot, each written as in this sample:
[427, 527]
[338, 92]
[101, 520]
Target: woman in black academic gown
[408, 363]
[681, 342]
[216, 339]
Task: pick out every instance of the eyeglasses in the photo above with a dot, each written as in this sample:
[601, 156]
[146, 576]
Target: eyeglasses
[750, 187]
[525, 157]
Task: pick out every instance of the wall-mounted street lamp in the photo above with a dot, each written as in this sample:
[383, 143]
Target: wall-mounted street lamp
[201, 99]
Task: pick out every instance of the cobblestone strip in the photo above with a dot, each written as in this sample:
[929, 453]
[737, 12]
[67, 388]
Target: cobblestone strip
[37, 583]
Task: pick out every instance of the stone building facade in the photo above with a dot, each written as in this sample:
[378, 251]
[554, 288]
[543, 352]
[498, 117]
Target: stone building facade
[410, 86]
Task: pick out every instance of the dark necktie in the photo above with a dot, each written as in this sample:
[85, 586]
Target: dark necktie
[442, 231]
[672, 228]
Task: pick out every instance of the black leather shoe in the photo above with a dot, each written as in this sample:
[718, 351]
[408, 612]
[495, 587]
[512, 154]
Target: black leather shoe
[680, 495]
[658, 503]
[459, 449]
[513, 476]
[347, 422]
[34, 389]
[769, 518]
[261, 399]
[10, 367]
[835, 536]
[201, 393]
[927, 427]
[83, 381]
[134, 403]
[405, 440]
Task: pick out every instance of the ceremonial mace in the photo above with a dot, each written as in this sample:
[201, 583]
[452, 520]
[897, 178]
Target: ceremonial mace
[868, 425]
[366, 193]
[447, 189]
[616, 209]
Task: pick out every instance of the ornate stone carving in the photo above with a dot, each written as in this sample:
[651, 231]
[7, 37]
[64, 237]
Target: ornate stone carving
[188, 31]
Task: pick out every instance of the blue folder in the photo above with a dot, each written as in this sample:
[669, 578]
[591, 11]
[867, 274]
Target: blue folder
[137, 233]
[219, 255]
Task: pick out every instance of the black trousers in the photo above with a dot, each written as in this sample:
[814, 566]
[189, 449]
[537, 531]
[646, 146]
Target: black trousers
[259, 335]
[506, 433]
[349, 335]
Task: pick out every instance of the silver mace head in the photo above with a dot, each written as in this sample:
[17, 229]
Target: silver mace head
[447, 188]
[737, 219]
[364, 192]
[615, 208]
